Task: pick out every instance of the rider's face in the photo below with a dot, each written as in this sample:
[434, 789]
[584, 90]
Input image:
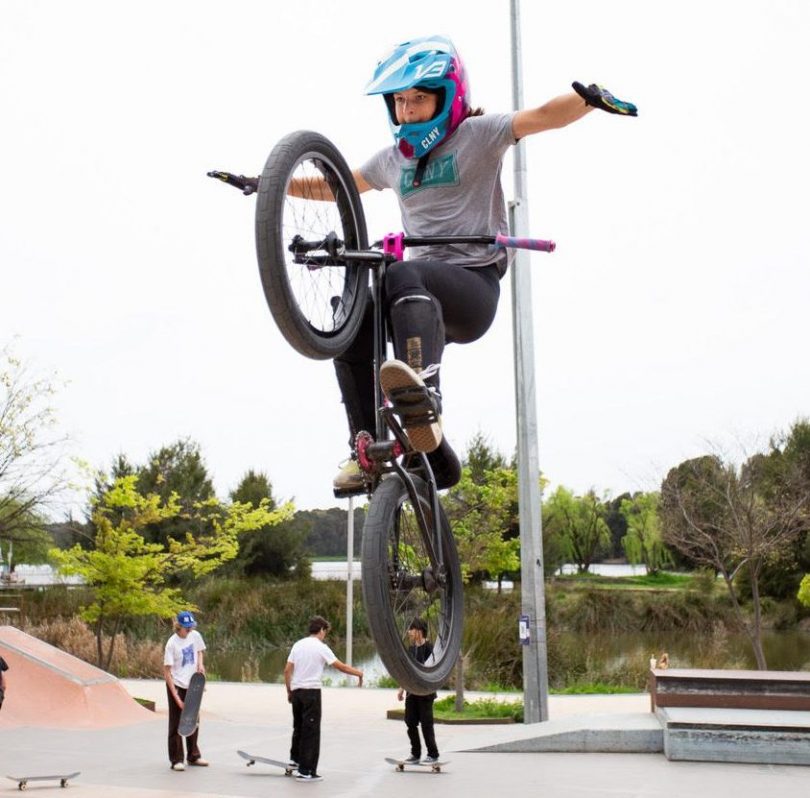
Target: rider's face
[414, 105]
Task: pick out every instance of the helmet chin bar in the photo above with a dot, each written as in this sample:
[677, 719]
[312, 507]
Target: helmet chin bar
[433, 64]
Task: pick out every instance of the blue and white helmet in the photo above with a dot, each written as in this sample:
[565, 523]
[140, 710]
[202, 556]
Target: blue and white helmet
[431, 62]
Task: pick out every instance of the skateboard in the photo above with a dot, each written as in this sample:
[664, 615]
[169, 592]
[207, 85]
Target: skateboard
[23, 780]
[401, 764]
[190, 716]
[252, 760]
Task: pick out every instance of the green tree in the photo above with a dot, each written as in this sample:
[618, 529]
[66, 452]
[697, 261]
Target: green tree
[643, 542]
[792, 452]
[734, 520]
[481, 457]
[617, 524]
[579, 524]
[32, 456]
[129, 576]
[177, 469]
[272, 549]
[482, 515]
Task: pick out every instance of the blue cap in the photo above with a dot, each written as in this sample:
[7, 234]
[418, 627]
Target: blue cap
[186, 619]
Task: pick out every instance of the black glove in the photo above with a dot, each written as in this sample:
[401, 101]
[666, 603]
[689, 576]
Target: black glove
[599, 97]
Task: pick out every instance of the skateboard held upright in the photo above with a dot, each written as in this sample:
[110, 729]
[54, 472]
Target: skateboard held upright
[190, 716]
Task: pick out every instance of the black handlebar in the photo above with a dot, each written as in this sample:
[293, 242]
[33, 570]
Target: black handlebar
[247, 185]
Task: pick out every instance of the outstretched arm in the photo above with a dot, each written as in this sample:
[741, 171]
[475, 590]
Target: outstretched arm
[568, 108]
[313, 188]
[348, 669]
[559, 112]
[316, 188]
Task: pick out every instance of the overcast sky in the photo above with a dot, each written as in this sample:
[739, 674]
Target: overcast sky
[673, 313]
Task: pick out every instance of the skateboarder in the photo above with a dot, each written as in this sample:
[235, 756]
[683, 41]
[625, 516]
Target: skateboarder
[302, 675]
[3, 669]
[182, 658]
[419, 708]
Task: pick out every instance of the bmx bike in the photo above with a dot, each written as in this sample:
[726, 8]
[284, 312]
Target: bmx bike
[318, 273]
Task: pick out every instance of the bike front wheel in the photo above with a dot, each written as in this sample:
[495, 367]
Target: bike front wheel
[403, 580]
[317, 303]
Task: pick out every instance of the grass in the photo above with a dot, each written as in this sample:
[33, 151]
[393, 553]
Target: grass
[480, 709]
[594, 688]
[660, 581]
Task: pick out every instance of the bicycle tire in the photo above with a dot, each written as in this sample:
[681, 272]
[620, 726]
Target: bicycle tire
[318, 310]
[394, 554]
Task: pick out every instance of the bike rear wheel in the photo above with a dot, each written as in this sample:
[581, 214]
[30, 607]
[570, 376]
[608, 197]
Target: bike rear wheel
[318, 308]
[402, 580]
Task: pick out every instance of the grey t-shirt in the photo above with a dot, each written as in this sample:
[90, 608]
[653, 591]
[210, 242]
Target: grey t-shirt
[460, 194]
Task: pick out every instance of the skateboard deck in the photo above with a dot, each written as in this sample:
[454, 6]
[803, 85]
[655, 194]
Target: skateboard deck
[253, 759]
[23, 780]
[401, 764]
[190, 716]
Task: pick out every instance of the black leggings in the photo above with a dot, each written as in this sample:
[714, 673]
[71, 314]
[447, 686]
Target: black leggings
[427, 304]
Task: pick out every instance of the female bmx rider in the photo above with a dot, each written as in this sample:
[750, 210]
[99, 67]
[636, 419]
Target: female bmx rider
[445, 168]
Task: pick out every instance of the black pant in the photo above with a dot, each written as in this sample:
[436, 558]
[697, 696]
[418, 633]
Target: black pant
[461, 307]
[175, 739]
[306, 737]
[419, 710]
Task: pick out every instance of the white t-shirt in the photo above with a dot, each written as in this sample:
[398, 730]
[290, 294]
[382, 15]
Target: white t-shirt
[309, 657]
[181, 654]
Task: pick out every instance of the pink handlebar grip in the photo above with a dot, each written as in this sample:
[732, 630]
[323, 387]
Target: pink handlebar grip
[525, 243]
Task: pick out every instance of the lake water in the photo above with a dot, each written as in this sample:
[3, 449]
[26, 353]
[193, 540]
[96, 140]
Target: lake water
[784, 651]
[339, 569]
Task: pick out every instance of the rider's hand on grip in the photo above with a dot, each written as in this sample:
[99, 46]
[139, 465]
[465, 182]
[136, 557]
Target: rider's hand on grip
[600, 97]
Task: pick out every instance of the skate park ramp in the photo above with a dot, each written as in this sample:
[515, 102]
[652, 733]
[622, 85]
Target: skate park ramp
[50, 688]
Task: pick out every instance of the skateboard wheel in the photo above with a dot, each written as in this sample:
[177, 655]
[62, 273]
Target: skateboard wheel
[400, 768]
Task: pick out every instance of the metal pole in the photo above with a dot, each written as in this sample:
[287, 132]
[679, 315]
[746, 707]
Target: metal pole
[350, 581]
[533, 601]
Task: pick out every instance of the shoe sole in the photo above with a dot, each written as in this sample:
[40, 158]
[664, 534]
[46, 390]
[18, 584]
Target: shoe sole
[395, 375]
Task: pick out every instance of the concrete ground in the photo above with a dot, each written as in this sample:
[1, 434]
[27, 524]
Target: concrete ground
[130, 761]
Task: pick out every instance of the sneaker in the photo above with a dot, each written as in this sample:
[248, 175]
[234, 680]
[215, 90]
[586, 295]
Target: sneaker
[430, 760]
[417, 404]
[349, 479]
[308, 777]
[412, 760]
[198, 763]
[292, 764]
[178, 766]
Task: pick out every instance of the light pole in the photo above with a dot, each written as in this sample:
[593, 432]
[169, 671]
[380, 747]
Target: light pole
[350, 580]
[533, 601]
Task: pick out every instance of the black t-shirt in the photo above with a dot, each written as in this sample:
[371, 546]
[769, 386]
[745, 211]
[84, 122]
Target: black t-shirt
[422, 654]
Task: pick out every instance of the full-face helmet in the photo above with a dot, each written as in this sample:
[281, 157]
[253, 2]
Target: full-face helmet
[431, 63]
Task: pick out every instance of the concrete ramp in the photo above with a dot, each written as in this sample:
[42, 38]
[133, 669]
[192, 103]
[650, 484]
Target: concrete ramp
[637, 733]
[48, 687]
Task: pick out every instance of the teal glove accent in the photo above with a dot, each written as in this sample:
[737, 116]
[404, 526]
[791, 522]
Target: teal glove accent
[599, 97]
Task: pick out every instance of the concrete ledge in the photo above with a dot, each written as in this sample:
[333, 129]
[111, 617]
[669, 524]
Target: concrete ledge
[727, 735]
